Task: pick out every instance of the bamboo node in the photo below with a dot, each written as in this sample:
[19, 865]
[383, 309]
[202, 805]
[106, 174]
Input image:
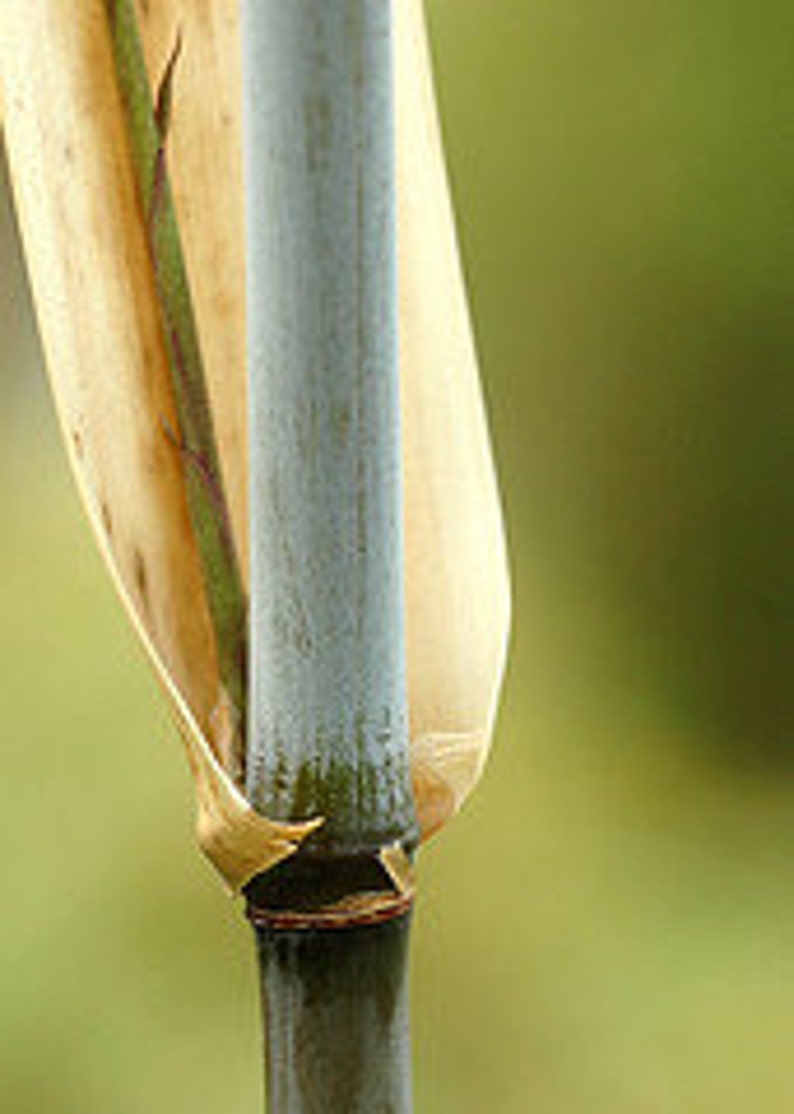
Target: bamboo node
[356, 911]
[310, 892]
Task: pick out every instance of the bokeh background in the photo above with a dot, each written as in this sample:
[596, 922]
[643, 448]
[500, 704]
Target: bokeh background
[607, 929]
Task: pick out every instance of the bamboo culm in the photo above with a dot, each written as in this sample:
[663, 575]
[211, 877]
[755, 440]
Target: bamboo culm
[327, 725]
[336, 1014]
[327, 716]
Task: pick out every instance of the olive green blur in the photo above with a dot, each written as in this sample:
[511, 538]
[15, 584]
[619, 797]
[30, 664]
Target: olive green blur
[607, 929]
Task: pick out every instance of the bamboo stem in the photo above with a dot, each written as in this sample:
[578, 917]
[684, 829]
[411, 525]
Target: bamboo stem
[336, 1014]
[327, 717]
[327, 727]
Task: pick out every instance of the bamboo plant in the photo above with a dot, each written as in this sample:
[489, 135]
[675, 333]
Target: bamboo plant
[300, 512]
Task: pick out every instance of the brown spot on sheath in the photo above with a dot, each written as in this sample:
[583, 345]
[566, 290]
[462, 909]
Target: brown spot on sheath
[107, 519]
[141, 576]
[77, 441]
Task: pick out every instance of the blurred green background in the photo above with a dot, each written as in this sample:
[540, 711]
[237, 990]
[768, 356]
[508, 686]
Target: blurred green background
[607, 929]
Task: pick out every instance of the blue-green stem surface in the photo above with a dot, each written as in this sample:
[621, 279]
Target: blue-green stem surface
[327, 716]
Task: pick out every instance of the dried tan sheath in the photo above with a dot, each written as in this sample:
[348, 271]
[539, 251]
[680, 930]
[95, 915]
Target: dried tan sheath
[92, 285]
[457, 585]
[95, 300]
